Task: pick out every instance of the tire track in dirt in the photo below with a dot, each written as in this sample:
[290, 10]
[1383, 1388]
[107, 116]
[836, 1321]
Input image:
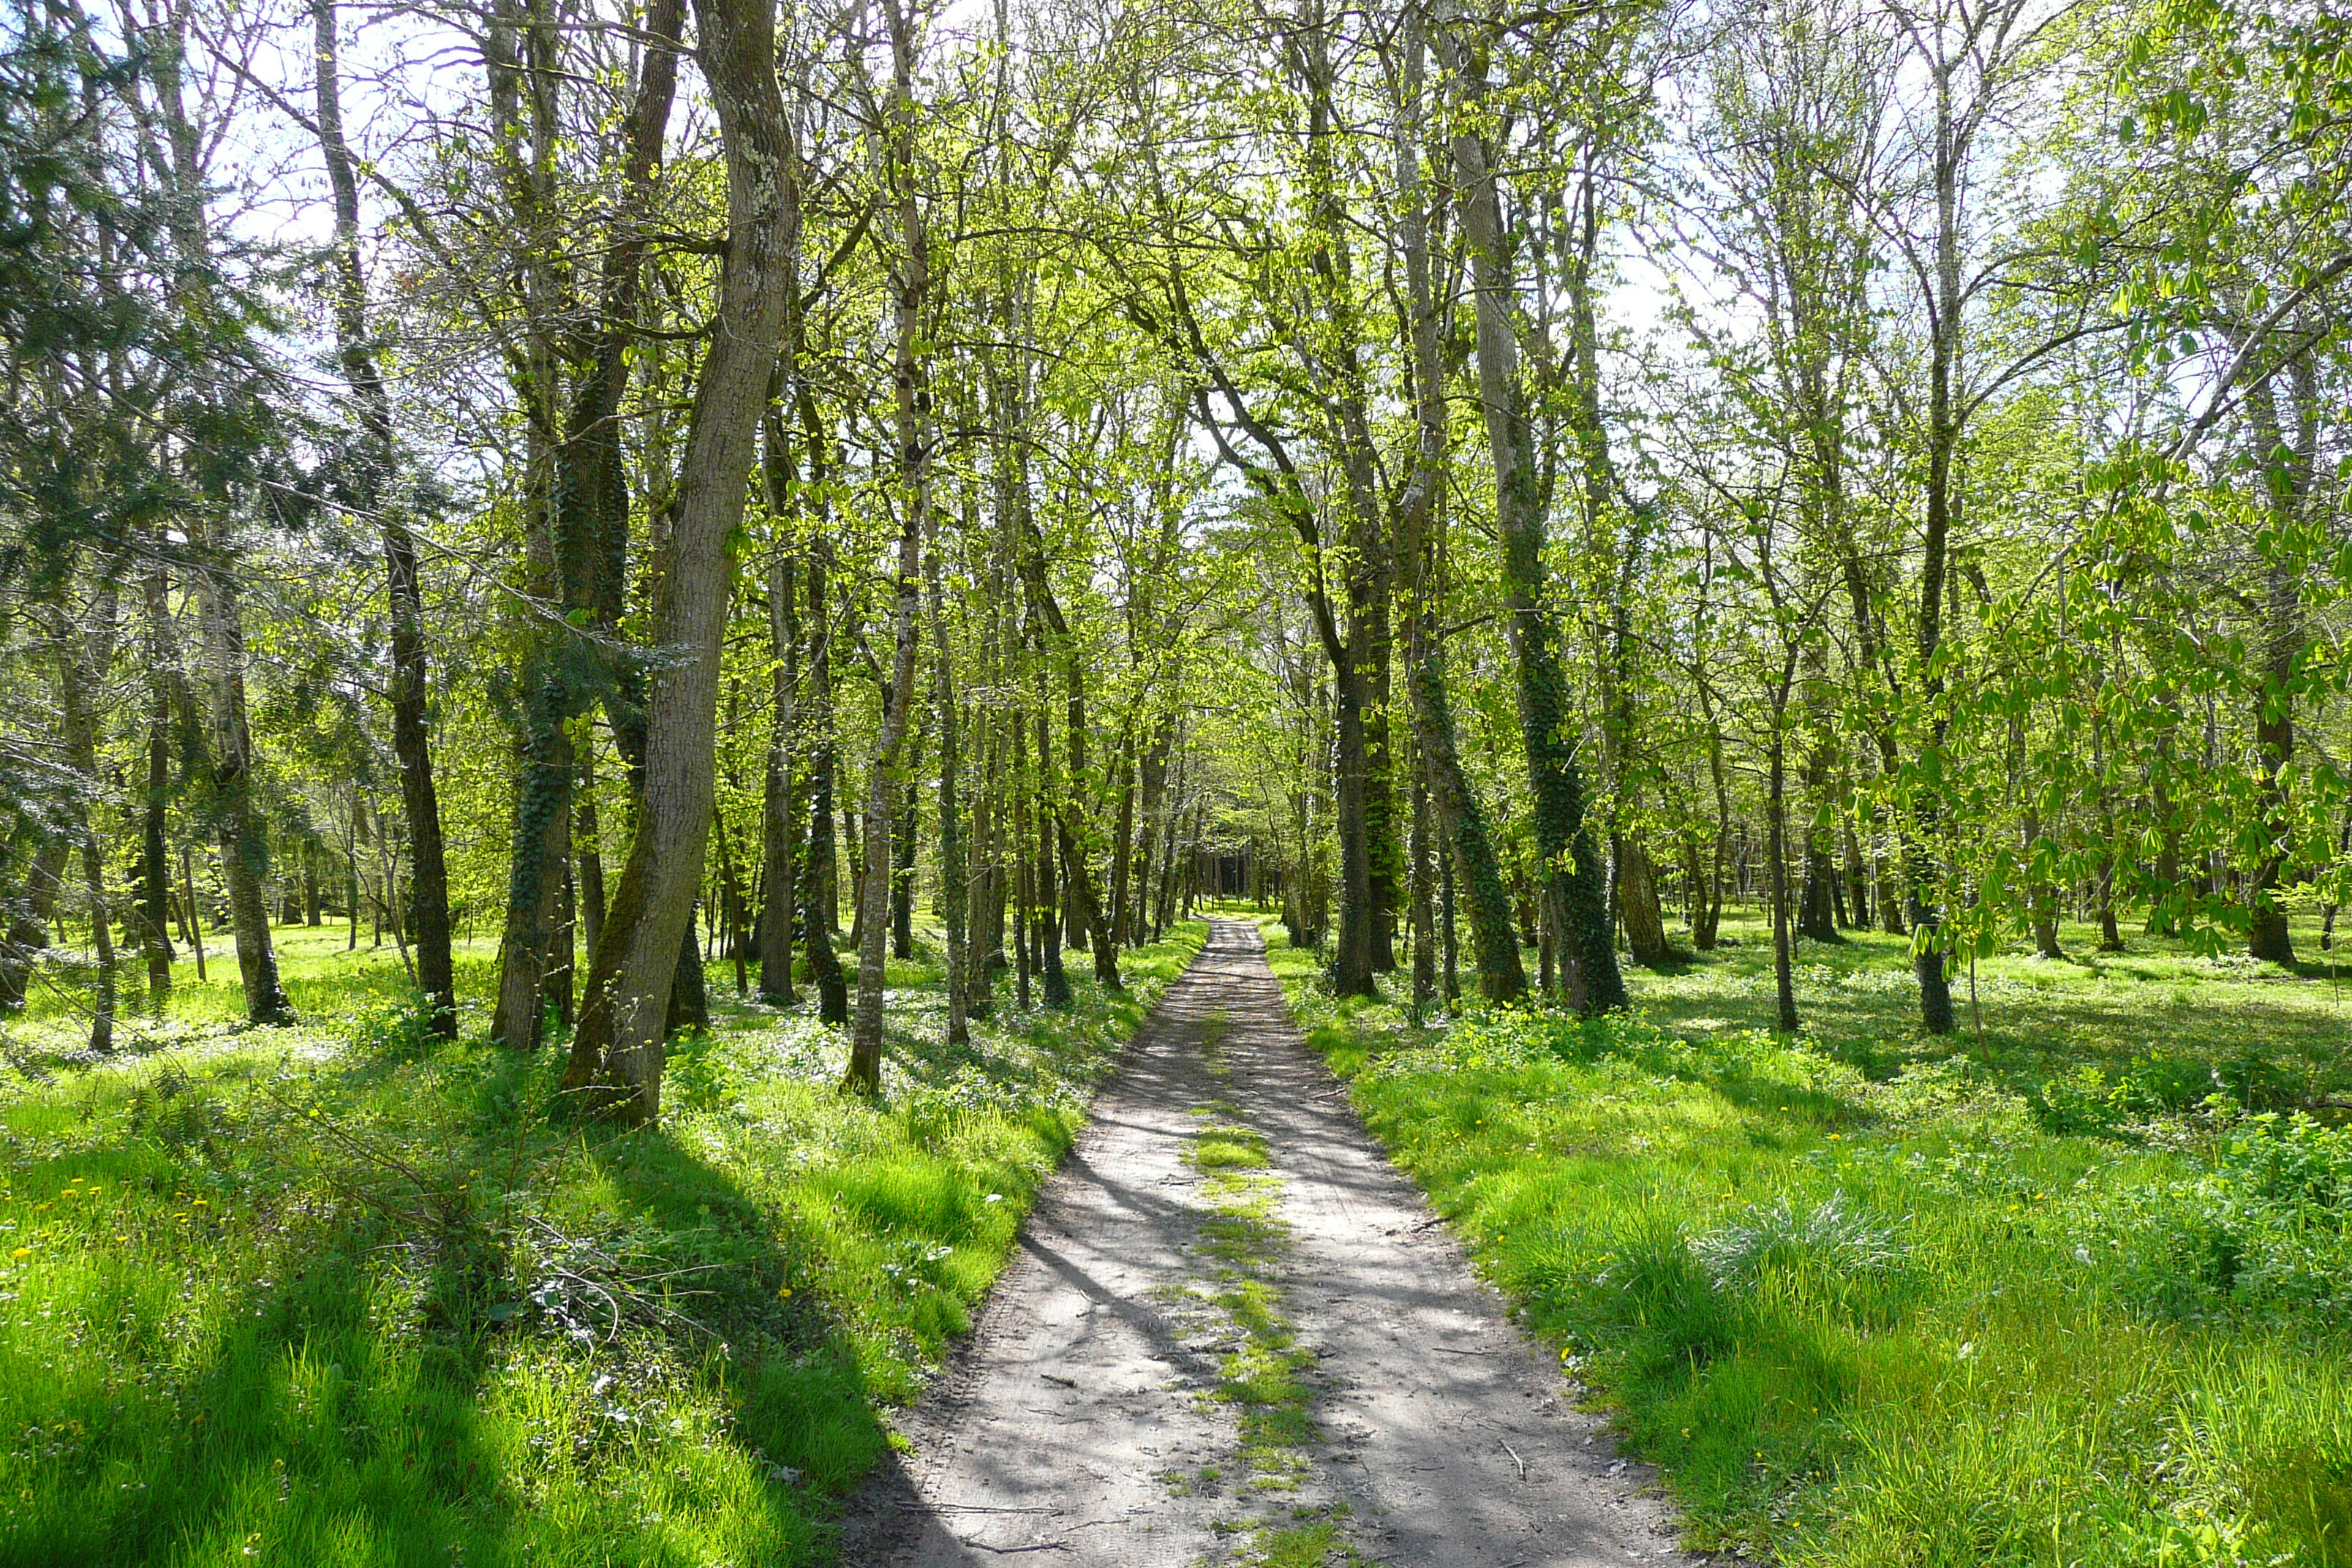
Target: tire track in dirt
[1082, 1422]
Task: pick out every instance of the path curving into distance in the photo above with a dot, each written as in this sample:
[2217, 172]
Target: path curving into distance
[1232, 1329]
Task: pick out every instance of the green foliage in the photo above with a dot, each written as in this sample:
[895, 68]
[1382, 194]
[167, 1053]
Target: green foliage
[2260, 1234]
[1888, 1316]
[346, 1295]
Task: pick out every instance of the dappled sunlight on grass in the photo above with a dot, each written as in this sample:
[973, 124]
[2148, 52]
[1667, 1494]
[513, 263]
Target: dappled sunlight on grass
[1874, 1299]
[337, 1293]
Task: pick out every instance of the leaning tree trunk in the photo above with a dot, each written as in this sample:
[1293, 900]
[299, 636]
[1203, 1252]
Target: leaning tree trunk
[1081, 901]
[244, 837]
[637, 962]
[1501, 976]
[1464, 840]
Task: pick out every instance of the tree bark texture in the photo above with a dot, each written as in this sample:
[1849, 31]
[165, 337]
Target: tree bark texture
[637, 960]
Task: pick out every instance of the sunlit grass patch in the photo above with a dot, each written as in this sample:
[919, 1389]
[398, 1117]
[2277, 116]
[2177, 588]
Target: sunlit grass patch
[1873, 1306]
[1263, 1375]
[340, 1294]
[1226, 1146]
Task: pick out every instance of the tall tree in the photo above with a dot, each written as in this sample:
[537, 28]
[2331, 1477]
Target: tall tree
[370, 491]
[628, 990]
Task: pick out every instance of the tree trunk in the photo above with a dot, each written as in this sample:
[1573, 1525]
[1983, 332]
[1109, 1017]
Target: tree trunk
[952, 883]
[1943, 439]
[1784, 991]
[82, 657]
[1122, 868]
[910, 281]
[1153, 776]
[1422, 921]
[30, 911]
[819, 897]
[1047, 921]
[587, 845]
[1025, 882]
[563, 950]
[542, 849]
[2283, 636]
[733, 941]
[1645, 920]
[370, 492]
[243, 834]
[688, 1007]
[780, 819]
[1857, 878]
[1081, 903]
[1564, 838]
[637, 962]
[1501, 976]
[154, 853]
[904, 845]
[1817, 912]
[195, 922]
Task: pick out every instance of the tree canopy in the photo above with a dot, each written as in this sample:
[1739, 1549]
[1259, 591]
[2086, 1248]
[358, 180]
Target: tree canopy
[656, 486]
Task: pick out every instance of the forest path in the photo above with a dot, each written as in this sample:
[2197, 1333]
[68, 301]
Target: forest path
[1232, 1331]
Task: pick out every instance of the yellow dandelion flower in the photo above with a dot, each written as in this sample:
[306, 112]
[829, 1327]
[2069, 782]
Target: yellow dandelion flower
[22, 1252]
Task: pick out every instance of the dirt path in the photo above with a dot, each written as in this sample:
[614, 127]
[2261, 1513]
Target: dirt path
[1234, 1331]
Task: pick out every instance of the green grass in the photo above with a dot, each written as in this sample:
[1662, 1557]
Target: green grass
[332, 1294]
[2040, 1018]
[2077, 1293]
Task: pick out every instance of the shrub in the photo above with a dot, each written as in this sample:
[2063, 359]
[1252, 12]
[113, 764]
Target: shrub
[2267, 1230]
[1828, 1237]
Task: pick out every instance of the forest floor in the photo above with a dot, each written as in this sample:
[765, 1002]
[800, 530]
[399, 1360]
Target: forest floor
[2073, 1287]
[337, 1294]
[1235, 1334]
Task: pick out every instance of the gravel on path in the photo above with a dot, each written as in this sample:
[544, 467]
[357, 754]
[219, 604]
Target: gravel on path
[1110, 1406]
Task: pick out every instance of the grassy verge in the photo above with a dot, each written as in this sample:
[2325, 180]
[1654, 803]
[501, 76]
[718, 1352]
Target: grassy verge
[2075, 1304]
[338, 1294]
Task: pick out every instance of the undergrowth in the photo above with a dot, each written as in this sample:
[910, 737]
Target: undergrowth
[1937, 1314]
[341, 1295]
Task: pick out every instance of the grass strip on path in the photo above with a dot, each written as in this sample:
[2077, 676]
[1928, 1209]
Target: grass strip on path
[341, 1295]
[1866, 1320]
[1266, 1375]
